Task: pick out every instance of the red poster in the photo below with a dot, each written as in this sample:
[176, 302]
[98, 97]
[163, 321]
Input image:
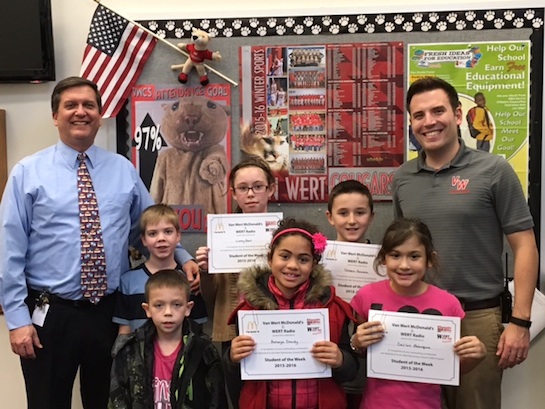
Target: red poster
[320, 114]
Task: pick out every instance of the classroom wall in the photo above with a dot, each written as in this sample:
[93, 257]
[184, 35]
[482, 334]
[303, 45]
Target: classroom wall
[29, 128]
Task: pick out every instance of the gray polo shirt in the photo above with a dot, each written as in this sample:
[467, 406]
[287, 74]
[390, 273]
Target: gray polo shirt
[468, 205]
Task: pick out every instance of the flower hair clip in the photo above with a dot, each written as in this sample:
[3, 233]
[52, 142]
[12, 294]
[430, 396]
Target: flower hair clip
[320, 242]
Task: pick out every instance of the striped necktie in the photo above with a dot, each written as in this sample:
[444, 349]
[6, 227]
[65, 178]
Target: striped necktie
[93, 263]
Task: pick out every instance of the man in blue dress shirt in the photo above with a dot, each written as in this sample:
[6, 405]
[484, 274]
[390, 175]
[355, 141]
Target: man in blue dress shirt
[52, 327]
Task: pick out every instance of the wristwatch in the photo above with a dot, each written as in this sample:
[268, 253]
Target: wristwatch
[517, 321]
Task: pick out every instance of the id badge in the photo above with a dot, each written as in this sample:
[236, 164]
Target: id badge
[39, 314]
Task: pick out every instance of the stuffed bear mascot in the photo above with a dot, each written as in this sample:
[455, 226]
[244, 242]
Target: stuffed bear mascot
[193, 169]
[198, 53]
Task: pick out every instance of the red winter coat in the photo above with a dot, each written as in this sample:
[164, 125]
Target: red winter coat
[254, 287]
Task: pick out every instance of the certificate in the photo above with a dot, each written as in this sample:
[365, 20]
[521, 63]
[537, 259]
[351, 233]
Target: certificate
[415, 348]
[238, 241]
[284, 339]
[351, 265]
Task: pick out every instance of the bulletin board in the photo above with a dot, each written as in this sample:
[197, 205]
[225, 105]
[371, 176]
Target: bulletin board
[392, 34]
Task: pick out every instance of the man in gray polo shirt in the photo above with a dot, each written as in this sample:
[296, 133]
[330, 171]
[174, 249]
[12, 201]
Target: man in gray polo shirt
[470, 199]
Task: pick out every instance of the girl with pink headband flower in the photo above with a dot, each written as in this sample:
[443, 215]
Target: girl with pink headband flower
[293, 279]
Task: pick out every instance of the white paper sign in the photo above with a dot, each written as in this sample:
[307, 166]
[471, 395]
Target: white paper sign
[284, 339]
[238, 241]
[415, 348]
[351, 265]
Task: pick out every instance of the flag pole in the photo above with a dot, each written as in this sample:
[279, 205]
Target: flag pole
[168, 43]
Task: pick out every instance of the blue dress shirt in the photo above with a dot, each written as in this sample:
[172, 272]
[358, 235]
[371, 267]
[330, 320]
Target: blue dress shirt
[40, 228]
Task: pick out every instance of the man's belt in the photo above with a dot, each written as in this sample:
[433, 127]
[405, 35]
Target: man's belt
[480, 305]
[48, 298]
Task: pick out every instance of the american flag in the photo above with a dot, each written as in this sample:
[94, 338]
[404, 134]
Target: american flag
[116, 53]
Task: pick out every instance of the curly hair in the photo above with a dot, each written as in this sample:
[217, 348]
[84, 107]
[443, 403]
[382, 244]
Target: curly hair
[291, 223]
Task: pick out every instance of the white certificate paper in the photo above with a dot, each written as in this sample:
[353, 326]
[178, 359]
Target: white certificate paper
[283, 342]
[239, 240]
[415, 348]
[351, 265]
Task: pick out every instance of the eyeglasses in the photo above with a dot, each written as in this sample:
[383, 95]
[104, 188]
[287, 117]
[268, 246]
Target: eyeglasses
[243, 190]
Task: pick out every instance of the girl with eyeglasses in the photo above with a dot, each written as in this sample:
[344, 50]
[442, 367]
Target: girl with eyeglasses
[252, 184]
